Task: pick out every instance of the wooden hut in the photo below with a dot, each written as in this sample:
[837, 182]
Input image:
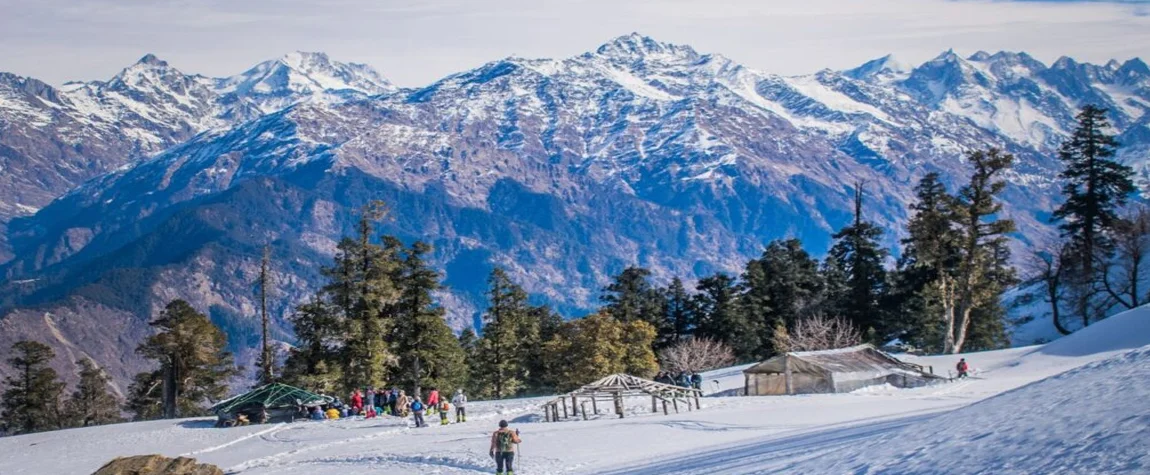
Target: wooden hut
[613, 390]
[833, 371]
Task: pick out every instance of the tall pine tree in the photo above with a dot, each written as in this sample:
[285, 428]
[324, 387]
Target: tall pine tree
[194, 365]
[778, 287]
[31, 402]
[316, 360]
[983, 272]
[631, 297]
[499, 366]
[927, 268]
[719, 316]
[92, 403]
[1096, 186]
[362, 284]
[860, 257]
[429, 355]
[679, 314]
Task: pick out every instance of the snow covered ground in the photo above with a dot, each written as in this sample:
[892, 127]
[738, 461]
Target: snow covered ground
[1078, 405]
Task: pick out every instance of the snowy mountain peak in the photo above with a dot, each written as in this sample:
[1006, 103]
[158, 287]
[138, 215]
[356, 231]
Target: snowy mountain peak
[1134, 66]
[979, 56]
[886, 65]
[151, 60]
[1065, 62]
[639, 47]
[948, 56]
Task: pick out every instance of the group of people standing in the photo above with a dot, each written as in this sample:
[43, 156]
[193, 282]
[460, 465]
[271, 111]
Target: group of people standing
[372, 403]
[684, 379]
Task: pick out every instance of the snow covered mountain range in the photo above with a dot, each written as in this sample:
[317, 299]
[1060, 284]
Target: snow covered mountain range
[562, 171]
[59, 137]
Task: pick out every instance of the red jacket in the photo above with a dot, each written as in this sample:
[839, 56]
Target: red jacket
[433, 399]
[962, 366]
[356, 401]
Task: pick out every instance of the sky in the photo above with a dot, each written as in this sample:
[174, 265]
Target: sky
[415, 42]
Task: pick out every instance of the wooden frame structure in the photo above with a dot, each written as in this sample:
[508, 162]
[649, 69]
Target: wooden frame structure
[614, 389]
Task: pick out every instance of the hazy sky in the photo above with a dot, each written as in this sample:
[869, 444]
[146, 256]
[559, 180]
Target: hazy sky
[415, 42]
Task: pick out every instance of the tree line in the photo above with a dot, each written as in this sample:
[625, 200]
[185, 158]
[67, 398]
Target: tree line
[375, 322]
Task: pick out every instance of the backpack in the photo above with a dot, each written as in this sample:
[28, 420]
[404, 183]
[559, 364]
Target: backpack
[504, 441]
[416, 406]
[444, 406]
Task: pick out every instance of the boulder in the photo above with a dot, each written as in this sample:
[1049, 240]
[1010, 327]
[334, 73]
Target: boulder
[157, 465]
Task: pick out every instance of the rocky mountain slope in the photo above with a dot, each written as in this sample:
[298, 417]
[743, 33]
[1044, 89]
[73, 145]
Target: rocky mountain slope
[563, 171]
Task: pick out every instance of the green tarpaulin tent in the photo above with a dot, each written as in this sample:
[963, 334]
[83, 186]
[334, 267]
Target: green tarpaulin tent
[270, 396]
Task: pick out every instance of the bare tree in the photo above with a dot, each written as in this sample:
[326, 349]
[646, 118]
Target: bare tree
[1049, 267]
[819, 332]
[1131, 248]
[695, 355]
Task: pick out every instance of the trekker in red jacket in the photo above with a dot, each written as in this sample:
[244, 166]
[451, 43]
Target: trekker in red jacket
[962, 368]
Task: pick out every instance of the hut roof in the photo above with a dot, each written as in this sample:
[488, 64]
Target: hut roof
[628, 385]
[856, 359]
[271, 395]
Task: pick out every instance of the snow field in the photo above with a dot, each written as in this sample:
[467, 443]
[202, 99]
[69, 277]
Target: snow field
[1022, 412]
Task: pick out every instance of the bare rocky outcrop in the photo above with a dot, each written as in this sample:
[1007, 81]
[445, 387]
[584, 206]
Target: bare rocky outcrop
[157, 465]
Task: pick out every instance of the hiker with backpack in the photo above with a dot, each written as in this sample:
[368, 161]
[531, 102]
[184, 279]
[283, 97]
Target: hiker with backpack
[444, 407]
[460, 402]
[962, 368]
[503, 447]
[417, 412]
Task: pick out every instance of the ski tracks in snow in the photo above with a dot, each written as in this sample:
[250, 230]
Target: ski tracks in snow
[279, 459]
[774, 453]
[262, 433]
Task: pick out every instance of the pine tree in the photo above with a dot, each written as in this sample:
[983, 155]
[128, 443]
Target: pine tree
[598, 345]
[144, 396]
[266, 360]
[500, 361]
[779, 286]
[679, 316]
[631, 297]
[720, 317]
[928, 268]
[315, 362]
[92, 403]
[362, 284]
[858, 253]
[544, 324]
[429, 355]
[31, 402]
[983, 272]
[194, 364]
[1096, 186]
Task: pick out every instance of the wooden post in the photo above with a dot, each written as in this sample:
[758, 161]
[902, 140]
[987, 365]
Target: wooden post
[665, 407]
[574, 406]
[675, 402]
[697, 406]
[554, 412]
[583, 406]
[564, 407]
[787, 374]
[619, 404]
[654, 404]
[594, 407]
[546, 414]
